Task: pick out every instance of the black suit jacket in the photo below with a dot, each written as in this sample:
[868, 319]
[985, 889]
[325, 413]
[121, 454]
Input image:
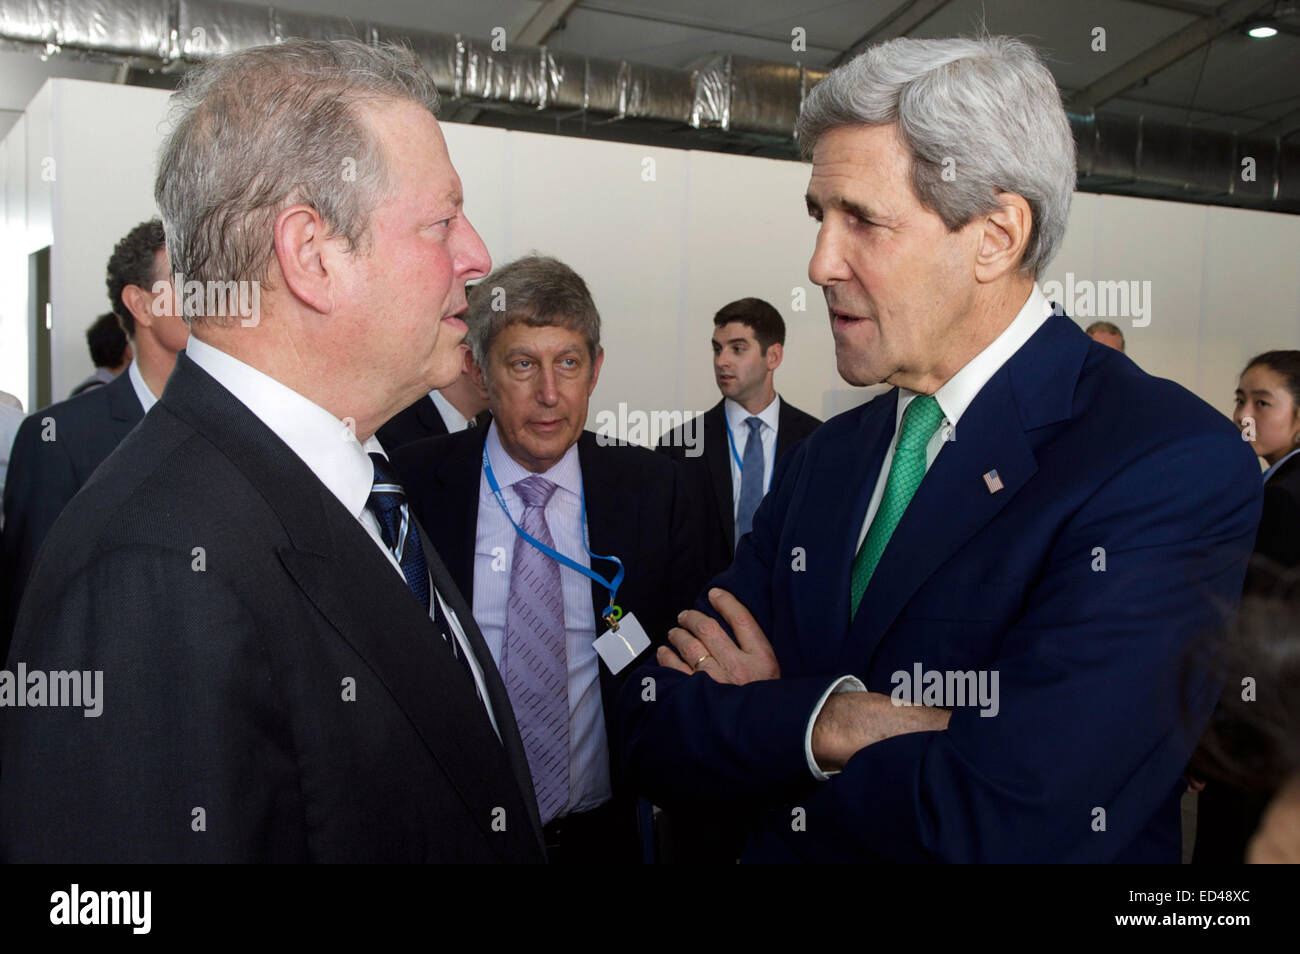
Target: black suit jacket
[709, 476]
[637, 510]
[45, 474]
[412, 424]
[1279, 526]
[271, 689]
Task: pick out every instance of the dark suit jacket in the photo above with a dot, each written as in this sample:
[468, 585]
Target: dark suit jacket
[412, 424]
[1279, 525]
[1227, 816]
[44, 475]
[709, 475]
[282, 679]
[1098, 460]
[636, 510]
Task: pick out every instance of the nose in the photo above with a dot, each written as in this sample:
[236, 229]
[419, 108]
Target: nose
[472, 257]
[548, 394]
[827, 265]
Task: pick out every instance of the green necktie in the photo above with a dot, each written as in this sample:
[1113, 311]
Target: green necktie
[921, 419]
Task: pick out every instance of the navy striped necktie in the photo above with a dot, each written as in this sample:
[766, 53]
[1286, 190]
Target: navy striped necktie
[388, 503]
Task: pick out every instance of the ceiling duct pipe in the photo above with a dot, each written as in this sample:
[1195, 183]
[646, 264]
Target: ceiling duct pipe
[747, 101]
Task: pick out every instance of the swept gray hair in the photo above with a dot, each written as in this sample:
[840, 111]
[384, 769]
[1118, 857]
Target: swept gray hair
[536, 290]
[261, 129]
[986, 104]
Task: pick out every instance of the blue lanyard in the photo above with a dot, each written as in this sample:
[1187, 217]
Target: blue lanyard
[732, 441]
[612, 612]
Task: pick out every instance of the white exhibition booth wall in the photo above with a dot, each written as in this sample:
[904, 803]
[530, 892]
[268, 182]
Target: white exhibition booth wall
[664, 238]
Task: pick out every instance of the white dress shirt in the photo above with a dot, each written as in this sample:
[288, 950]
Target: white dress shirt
[954, 397]
[329, 449]
[736, 417]
[455, 421]
[146, 397]
[494, 548]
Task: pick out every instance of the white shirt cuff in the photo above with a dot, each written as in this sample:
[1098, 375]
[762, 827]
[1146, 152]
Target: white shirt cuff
[843, 684]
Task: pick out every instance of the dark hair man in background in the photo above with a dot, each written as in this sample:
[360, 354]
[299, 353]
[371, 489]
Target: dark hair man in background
[110, 352]
[58, 448]
[730, 478]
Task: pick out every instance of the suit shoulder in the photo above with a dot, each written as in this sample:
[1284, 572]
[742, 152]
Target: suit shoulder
[630, 460]
[428, 451]
[802, 419]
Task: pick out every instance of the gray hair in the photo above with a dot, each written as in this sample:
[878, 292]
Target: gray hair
[536, 290]
[261, 129]
[985, 108]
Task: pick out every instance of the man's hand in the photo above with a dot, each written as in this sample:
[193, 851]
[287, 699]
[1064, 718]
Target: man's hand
[851, 721]
[704, 646]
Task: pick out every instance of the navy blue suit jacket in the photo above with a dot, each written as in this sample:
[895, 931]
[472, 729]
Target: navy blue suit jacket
[45, 474]
[1094, 455]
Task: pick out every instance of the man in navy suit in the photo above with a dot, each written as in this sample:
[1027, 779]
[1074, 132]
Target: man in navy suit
[57, 449]
[748, 345]
[959, 618]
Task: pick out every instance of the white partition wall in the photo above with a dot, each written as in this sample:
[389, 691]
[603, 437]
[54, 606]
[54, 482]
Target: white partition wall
[663, 237]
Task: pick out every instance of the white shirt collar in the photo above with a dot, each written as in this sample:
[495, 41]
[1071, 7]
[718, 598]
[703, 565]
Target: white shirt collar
[565, 473]
[455, 421]
[960, 390]
[142, 392]
[327, 446]
[737, 415]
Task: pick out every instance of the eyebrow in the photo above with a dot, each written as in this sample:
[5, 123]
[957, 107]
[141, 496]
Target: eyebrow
[841, 203]
[731, 341]
[1257, 392]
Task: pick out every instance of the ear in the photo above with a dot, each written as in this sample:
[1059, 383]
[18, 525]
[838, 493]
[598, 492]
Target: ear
[775, 352]
[475, 372]
[144, 306]
[595, 371]
[1003, 237]
[305, 256]
[127, 354]
[470, 367]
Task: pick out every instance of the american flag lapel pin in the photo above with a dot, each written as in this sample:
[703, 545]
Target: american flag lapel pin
[992, 481]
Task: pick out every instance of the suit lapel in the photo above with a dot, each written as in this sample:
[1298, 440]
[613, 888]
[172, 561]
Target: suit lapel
[124, 407]
[613, 520]
[341, 570]
[954, 502]
[458, 475]
[785, 435]
[717, 456]
[497, 697]
[432, 421]
[820, 601]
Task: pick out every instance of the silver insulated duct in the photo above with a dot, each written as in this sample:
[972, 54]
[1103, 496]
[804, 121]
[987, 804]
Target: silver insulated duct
[744, 102]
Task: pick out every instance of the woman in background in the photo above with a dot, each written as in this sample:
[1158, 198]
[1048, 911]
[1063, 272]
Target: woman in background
[1267, 402]
[1269, 394]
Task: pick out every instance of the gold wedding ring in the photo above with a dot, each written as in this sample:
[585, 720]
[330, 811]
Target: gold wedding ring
[700, 660]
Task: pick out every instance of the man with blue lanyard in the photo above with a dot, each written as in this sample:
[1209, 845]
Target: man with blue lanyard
[730, 476]
[576, 555]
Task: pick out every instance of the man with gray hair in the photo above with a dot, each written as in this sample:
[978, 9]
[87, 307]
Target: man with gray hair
[289, 672]
[1026, 512]
[546, 529]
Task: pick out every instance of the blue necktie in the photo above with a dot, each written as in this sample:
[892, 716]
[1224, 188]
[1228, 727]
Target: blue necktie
[388, 503]
[751, 478]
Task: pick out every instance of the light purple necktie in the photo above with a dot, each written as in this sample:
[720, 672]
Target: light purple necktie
[534, 660]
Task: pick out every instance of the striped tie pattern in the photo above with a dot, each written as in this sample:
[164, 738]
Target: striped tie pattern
[388, 503]
[534, 657]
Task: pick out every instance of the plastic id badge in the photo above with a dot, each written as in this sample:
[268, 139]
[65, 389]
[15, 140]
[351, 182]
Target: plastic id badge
[618, 647]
